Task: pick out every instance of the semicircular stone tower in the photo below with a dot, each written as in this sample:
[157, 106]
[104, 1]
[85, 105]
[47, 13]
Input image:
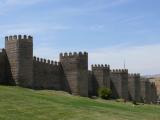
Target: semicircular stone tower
[75, 67]
[19, 51]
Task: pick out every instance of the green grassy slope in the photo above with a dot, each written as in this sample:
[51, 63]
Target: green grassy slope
[24, 104]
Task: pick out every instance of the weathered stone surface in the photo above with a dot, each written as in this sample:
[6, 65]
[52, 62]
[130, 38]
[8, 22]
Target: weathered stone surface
[75, 67]
[100, 77]
[19, 67]
[47, 74]
[119, 83]
[134, 87]
[145, 91]
[20, 55]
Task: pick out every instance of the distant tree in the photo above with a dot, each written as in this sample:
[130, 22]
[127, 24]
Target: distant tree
[104, 93]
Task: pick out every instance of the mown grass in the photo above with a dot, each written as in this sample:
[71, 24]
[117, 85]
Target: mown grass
[25, 104]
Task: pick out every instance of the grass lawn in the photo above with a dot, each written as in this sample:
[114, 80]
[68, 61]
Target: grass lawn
[25, 104]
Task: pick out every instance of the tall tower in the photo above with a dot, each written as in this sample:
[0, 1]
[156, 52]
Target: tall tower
[19, 51]
[75, 68]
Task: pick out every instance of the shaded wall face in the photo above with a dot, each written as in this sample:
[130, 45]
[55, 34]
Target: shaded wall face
[134, 88]
[76, 73]
[145, 91]
[101, 79]
[11, 50]
[91, 89]
[2, 68]
[25, 59]
[153, 96]
[5, 72]
[116, 85]
[119, 85]
[47, 76]
[124, 84]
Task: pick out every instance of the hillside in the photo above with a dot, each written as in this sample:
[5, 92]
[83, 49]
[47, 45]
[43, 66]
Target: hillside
[25, 104]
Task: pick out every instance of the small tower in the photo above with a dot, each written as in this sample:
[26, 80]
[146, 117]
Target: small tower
[154, 96]
[19, 51]
[101, 77]
[134, 87]
[75, 67]
[119, 83]
[145, 90]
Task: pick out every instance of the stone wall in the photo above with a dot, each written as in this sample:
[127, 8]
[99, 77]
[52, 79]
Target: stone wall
[2, 67]
[145, 91]
[154, 95]
[101, 77]
[134, 87]
[75, 67]
[19, 51]
[119, 83]
[5, 71]
[47, 74]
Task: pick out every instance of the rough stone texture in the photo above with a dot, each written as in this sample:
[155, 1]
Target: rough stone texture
[154, 95]
[47, 74]
[20, 55]
[90, 84]
[119, 83]
[134, 87]
[19, 67]
[145, 91]
[75, 68]
[156, 80]
[100, 77]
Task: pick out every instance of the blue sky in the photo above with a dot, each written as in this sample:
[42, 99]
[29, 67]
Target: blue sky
[110, 30]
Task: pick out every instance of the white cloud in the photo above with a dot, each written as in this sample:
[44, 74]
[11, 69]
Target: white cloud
[139, 59]
[144, 59]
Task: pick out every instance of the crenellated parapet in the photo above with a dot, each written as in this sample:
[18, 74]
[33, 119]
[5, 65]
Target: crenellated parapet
[74, 54]
[101, 67]
[119, 71]
[19, 37]
[134, 75]
[2, 50]
[45, 61]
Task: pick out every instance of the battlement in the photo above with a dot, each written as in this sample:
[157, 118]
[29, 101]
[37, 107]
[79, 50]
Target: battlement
[44, 61]
[19, 37]
[134, 75]
[101, 67]
[153, 84]
[119, 71]
[74, 54]
[2, 50]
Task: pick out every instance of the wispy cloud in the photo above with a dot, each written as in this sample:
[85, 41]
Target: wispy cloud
[33, 28]
[8, 5]
[90, 6]
[20, 2]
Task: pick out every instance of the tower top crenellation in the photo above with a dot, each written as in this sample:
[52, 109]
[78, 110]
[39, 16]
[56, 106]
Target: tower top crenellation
[18, 37]
[74, 54]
